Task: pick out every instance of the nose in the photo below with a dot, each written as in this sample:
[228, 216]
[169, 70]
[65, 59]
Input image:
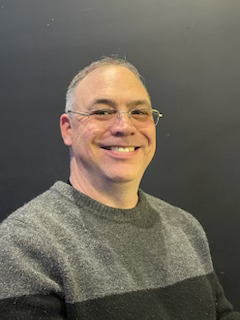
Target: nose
[123, 124]
[124, 116]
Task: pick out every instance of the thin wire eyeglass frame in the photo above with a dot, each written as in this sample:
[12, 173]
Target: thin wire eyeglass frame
[129, 113]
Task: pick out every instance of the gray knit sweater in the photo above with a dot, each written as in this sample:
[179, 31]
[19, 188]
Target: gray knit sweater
[66, 256]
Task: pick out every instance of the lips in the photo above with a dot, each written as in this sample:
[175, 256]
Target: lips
[120, 148]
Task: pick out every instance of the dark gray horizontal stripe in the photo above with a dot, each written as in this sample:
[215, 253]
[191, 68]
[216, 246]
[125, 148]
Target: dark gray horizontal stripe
[35, 307]
[192, 299]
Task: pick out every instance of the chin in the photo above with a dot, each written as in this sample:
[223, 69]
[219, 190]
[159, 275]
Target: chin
[124, 178]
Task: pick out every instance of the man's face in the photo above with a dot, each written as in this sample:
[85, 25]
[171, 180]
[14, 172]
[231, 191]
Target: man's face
[92, 143]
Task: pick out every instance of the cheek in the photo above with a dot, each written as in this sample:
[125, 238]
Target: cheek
[151, 138]
[86, 137]
[150, 135]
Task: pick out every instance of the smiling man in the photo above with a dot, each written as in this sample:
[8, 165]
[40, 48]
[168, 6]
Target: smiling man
[98, 247]
[109, 150]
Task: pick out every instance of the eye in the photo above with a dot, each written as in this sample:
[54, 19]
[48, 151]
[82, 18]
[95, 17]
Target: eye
[102, 112]
[140, 112]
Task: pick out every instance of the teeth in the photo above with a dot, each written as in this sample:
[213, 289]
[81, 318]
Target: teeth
[120, 149]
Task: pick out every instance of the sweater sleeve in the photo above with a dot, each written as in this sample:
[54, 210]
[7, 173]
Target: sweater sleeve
[29, 286]
[224, 308]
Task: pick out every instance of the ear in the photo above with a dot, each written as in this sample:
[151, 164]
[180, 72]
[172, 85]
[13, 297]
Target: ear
[66, 129]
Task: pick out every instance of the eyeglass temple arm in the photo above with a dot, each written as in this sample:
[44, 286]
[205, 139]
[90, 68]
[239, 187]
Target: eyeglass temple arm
[160, 115]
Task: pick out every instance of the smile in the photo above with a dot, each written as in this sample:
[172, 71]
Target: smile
[121, 149]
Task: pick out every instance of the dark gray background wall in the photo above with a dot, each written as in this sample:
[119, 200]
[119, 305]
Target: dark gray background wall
[189, 53]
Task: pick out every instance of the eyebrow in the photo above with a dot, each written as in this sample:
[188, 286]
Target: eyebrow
[112, 103]
[108, 102]
[135, 103]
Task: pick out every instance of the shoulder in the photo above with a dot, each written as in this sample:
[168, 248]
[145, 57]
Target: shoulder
[39, 225]
[183, 234]
[171, 211]
[40, 211]
[176, 218]
[29, 251]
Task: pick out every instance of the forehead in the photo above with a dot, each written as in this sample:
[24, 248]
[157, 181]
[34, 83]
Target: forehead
[110, 82]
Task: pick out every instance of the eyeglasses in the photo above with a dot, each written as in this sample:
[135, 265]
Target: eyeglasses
[140, 117]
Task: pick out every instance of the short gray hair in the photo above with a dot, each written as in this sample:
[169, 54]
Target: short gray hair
[104, 61]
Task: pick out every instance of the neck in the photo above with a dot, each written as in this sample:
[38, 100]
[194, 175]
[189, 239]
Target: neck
[123, 195]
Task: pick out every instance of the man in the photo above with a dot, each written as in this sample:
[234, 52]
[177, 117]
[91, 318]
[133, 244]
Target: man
[98, 247]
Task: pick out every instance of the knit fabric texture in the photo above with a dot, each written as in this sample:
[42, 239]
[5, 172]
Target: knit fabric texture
[64, 255]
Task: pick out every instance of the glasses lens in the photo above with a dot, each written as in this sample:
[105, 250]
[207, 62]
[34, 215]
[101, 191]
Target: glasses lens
[138, 117]
[103, 114]
[155, 116]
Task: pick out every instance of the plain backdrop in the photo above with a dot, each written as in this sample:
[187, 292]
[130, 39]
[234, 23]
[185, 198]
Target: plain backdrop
[189, 54]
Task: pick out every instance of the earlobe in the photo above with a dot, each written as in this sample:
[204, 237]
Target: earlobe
[66, 129]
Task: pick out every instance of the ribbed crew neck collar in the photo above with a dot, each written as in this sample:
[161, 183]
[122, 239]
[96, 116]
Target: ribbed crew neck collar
[139, 213]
